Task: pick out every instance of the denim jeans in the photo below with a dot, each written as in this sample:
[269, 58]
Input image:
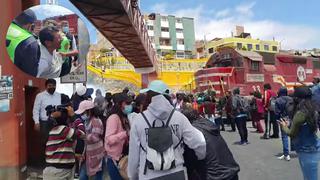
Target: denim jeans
[113, 170]
[309, 164]
[285, 143]
[83, 173]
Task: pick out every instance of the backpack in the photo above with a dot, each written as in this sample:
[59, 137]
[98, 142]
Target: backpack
[242, 106]
[272, 104]
[253, 105]
[160, 148]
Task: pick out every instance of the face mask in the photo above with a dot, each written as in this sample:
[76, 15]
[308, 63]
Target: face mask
[65, 29]
[51, 90]
[85, 117]
[127, 109]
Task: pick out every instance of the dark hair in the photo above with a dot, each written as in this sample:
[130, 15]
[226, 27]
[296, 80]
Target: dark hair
[65, 99]
[267, 86]
[50, 81]
[26, 17]
[63, 119]
[108, 97]
[191, 114]
[118, 99]
[317, 79]
[140, 99]
[257, 94]
[95, 112]
[46, 34]
[236, 91]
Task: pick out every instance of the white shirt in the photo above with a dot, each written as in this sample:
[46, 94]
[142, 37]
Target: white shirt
[44, 99]
[49, 65]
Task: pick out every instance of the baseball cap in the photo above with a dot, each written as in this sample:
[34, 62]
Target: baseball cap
[157, 86]
[81, 90]
[84, 91]
[84, 105]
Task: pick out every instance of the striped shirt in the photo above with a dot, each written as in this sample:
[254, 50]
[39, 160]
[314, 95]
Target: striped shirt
[60, 145]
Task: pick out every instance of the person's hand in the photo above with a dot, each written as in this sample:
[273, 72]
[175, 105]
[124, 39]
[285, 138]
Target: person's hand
[283, 122]
[70, 111]
[64, 55]
[37, 127]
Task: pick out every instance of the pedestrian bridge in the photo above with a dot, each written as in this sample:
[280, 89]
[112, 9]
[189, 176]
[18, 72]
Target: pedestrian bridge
[121, 22]
[178, 74]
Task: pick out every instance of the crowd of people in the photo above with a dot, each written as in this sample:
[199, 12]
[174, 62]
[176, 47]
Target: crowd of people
[161, 135]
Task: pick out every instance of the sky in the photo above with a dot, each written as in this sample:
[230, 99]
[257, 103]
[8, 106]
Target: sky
[295, 23]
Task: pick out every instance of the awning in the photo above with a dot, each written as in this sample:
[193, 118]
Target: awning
[251, 55]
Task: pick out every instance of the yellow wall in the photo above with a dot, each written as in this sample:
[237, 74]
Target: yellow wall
[245, 41]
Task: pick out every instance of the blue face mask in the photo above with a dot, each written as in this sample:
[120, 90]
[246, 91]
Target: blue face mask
[127, 109]
[65, 29]
[85, 117]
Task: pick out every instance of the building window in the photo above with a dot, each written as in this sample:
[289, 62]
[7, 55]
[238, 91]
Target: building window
[165, 42]
[178, 20]
[274, 48]
[150, 28]
[257, 47]
[180, 41]
[164, 18]
[211, 50]
[249, 47]
[179, 30]
[180, 55]
[255, 65]
[239, 46]
[266, 47]
[165, 29]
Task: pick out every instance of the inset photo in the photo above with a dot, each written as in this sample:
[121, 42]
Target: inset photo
[48, 41]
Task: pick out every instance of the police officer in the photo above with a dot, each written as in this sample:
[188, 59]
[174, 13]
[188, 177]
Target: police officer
[22, 45]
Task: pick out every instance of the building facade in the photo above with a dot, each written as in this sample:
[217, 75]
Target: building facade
[243, 41]
[171, 35]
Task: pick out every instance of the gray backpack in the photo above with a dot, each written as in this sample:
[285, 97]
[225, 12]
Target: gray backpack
[160, 148]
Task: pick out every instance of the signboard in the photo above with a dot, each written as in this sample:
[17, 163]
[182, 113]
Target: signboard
[255, 77]
[79, 74]
[301, 73]
[6, 87]
[6, 92]
[309, 71]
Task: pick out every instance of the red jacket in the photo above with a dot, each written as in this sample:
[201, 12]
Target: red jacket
[268, 94]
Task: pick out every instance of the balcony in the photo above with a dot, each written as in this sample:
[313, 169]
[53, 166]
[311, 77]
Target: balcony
[180, 47]
[179, 26]
[164, 24]
[165, 34]
[150, 32]
[166, 47]
[180, 36]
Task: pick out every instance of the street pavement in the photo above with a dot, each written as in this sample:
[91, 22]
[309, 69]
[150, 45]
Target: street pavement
[258, 160]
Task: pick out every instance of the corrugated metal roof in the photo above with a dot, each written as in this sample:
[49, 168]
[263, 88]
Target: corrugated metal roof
[251, 55]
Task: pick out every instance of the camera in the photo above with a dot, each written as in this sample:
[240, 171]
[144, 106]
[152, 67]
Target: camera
[61, 108]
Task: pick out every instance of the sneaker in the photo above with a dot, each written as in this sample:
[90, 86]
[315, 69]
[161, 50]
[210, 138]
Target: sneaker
[281, 157]
[287, 158]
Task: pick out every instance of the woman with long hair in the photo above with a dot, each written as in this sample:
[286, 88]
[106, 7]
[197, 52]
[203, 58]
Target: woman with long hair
[303, 133]
[94, 150]
[117, 130]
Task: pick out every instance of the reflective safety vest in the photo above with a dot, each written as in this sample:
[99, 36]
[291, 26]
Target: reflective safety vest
[15, 36]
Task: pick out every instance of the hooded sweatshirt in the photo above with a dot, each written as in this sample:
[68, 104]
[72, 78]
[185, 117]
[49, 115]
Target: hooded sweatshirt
[219, 163]
[160, 108]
